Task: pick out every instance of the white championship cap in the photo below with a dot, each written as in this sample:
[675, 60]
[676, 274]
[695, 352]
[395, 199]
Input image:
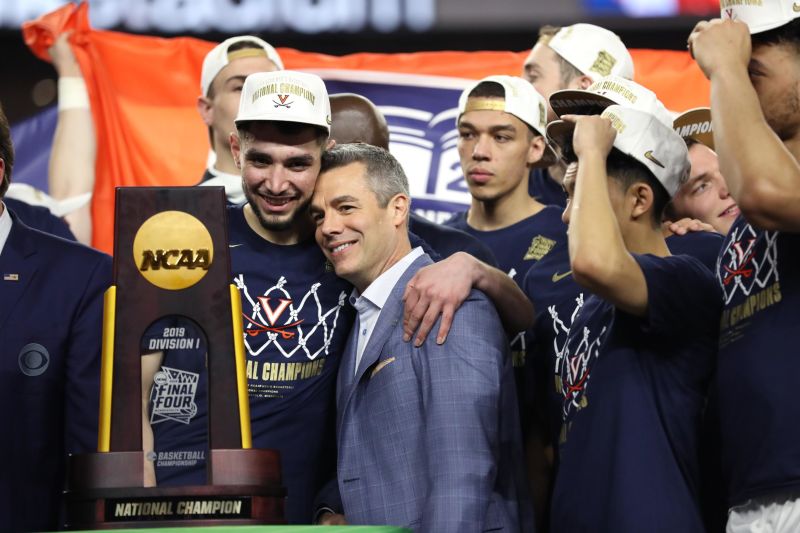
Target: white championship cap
[607, 91]
[286, 96]
[520, 100]
[593, 50]
[695, 124]
[642, 136]
[219, 57]
[760, 16]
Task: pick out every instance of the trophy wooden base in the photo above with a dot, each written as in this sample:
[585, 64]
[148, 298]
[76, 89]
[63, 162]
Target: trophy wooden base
[104, 491]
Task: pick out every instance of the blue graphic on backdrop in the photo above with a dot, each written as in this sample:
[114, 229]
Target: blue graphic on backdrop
[33, 138]
[423, 137]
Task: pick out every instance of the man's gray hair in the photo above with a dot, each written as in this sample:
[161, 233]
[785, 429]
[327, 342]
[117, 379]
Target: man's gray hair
[384, 174]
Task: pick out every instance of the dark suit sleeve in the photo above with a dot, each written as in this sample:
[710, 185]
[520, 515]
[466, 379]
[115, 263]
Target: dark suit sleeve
[461, 396]
[82, 387]
[328, 500]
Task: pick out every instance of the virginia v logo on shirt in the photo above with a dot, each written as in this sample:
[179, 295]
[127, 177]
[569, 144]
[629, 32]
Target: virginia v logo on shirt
[275, 318]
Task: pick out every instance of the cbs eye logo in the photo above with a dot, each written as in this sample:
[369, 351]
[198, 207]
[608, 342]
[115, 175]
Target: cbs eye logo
[33, 359]
[173, 250]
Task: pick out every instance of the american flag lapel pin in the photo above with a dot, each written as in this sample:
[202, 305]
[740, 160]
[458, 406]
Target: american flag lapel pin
[10, 277]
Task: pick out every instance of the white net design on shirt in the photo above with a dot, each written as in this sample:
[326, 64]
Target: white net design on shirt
[743, 267]
[273, 318]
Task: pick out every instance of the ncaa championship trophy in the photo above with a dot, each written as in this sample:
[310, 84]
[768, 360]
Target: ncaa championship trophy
[173, 378]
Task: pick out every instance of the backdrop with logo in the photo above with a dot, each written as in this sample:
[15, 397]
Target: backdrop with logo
[143, 93]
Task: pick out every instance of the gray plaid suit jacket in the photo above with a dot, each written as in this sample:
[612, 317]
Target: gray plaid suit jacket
[429, 437]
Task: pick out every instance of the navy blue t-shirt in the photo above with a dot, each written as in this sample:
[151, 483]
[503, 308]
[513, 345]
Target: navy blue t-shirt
[704, 245]
[445, 241]
[633, 391]
[296, 321]
[40, 218]
[759, 274]
[518, 246]
[556, 298]
[545, 189]
[178, 401]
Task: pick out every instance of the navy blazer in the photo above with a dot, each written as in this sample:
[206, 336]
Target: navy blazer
[429, 437]
[38, 217]
[51, 306]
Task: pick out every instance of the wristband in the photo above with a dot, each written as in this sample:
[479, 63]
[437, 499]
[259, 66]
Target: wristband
[72, 94]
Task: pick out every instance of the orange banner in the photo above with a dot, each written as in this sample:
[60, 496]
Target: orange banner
[143, 93]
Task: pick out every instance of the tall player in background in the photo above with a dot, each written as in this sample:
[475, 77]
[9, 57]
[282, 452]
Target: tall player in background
[570, 57]
[501, 127]
[752, 58]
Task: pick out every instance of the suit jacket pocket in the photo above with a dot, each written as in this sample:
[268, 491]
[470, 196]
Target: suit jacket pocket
[389, 396]
[380, 365]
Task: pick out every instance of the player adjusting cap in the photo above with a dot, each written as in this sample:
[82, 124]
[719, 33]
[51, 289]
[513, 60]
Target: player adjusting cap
[285, 96]
[595, 51]
[642, 136]
[520, 99]
[219, 57]
[606, 91]
[760, 16]
[695, 124]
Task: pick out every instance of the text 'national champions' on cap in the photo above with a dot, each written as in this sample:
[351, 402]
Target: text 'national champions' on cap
[285, 96]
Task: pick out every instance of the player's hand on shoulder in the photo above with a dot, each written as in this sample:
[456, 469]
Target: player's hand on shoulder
[437, 289]
[687, 225]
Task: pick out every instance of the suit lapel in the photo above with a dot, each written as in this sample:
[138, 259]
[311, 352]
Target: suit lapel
[344, 380]
[391, 317]
[17, 268]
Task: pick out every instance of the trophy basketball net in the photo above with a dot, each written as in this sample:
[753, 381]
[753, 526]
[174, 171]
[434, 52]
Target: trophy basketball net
[174, 443]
